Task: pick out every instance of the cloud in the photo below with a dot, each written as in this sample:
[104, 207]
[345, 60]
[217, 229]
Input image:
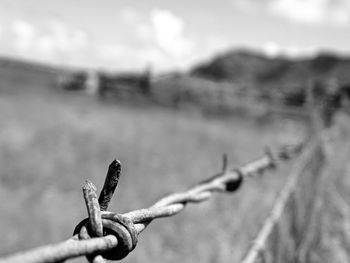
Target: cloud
[157, 38]
[54, 42]
[140, 24]
[311, 12]
[23, 29]
[58, 38]
[24, 34]
[160, 29]
[168, 33]
[273, 49]
[336, 12]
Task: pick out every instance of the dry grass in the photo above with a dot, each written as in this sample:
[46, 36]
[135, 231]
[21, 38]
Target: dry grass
[50, 143]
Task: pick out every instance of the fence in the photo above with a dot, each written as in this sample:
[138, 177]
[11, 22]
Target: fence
[176, 90]
[285, 237]
[294, 227]
[287, 232]
[179, 91]
[115, 235]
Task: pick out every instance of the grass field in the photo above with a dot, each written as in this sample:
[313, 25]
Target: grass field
[50, 142]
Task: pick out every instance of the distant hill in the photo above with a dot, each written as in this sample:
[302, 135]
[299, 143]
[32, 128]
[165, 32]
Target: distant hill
[22, 65]
[253, 70]
[18, 75]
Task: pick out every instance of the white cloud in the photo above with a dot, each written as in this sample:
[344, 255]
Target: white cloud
[273, 49]
[24, 34]
[54, 42]
[336, 12]
[157, 38]
[23, 29]
[168, 32]
[63, 44]
[63, 38]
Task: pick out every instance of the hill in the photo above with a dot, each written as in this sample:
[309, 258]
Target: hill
[254, 70]
[29, 76]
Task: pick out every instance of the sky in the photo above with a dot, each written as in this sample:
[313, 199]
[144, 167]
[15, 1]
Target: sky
[167, 34]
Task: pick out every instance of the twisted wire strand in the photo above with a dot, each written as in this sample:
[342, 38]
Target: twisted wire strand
[225, 181]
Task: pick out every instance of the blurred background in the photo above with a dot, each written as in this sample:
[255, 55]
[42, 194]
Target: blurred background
[166, 87]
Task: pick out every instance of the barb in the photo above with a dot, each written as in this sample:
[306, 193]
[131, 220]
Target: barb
[110, 184]
[123, 229]
[224, 162]
[95, 220]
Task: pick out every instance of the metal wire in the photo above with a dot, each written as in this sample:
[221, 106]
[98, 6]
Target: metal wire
[259, 246]
[120, 231]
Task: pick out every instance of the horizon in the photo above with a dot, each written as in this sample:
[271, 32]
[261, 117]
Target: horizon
[253, 52]
[167, 35]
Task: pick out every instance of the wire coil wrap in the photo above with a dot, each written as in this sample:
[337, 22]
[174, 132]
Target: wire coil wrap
[113, 224]
[234, 185]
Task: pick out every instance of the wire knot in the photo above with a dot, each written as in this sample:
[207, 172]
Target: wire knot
[113, 224]
[234, 184]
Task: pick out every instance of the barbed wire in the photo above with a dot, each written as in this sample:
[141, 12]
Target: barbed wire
[108, 235]
[259, 246]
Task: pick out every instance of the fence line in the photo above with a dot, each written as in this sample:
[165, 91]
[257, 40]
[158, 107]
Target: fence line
[266, 239]
[284, 236]
[287, 233]
[121, 230]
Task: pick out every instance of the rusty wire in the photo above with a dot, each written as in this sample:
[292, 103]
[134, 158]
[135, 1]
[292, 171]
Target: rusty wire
[107, 235]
